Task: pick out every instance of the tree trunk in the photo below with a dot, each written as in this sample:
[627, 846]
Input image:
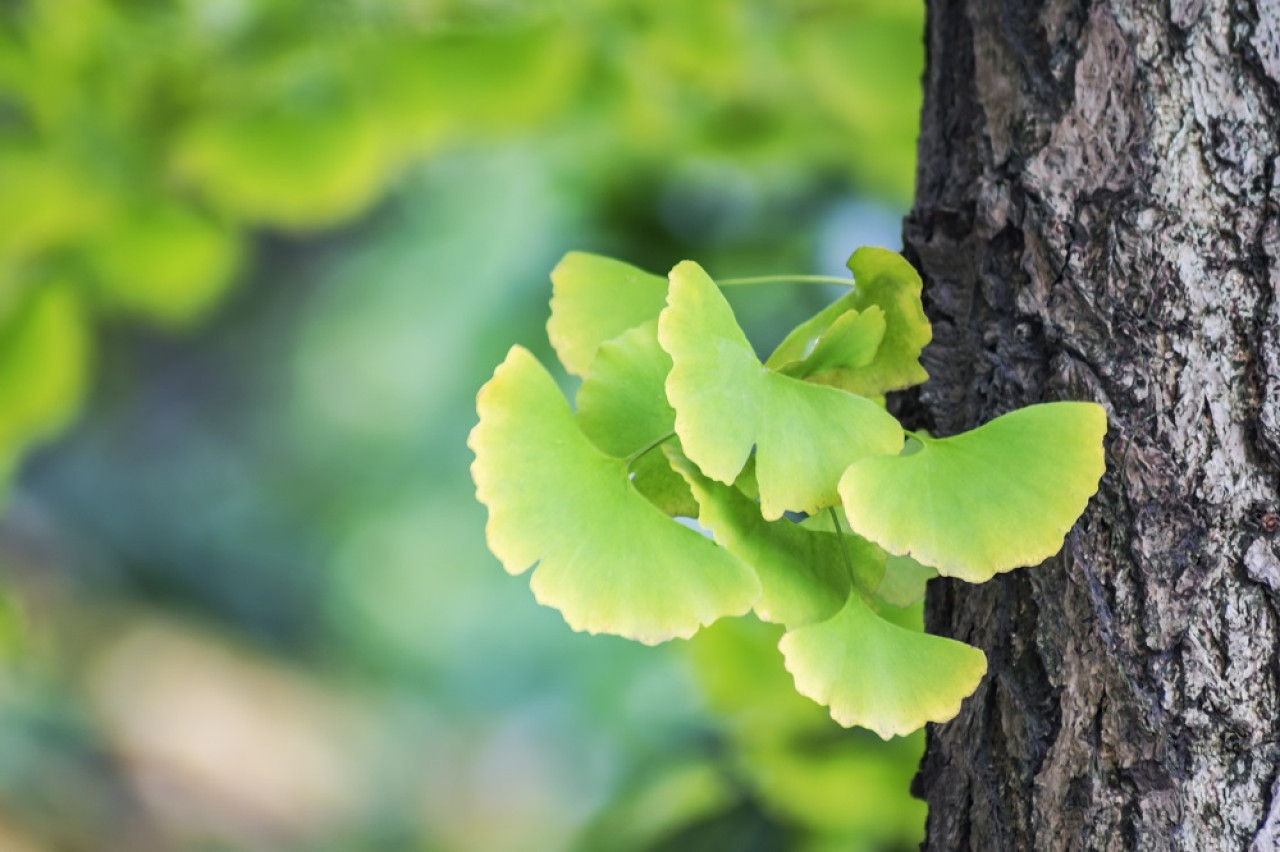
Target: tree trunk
[1098, 217]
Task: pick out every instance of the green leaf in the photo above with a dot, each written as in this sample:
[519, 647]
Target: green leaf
[302, 160]
[804, 576]
[726, 402]
[998, 497]
[876, 674]
[608, 560]
[904, 581]
[622, 405]
[652, 476]
[595, 299]
[164, 262]
[622, 408]
[44, 350]
[883, 280]
[850, 342]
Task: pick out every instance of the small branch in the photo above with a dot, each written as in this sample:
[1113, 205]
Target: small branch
[786, 279]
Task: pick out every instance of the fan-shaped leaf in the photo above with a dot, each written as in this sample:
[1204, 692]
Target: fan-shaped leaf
[876, 674]
[594, 299]
[608, 559]
[622, 405]
[883, 280]
[622, 408]
[804, 577]
[850, 342]
[986, 501]
[726, 402]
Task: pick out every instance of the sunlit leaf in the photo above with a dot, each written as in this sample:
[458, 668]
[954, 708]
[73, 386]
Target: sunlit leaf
[883, 280]
[848, 343]
[726, 402]
[622, 408]
[44, 349]
[622, 405]
[165, 262]
[804, 576]
[299, 162]
[876, 674]
[608, 560]
[595, 299]
[998, 497]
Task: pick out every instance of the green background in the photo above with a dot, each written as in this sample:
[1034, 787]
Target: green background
[256, 257]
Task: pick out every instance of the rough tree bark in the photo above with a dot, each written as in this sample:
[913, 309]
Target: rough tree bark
[1098, 217]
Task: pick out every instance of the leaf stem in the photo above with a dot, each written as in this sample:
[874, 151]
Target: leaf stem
[786, 279]
[844, 551]
[631, 459]
[924, 439]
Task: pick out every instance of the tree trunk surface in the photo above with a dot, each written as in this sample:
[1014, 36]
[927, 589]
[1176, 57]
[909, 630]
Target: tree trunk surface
[1098, 217]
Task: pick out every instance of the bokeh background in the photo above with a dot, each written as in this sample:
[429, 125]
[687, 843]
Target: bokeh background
[256, 258]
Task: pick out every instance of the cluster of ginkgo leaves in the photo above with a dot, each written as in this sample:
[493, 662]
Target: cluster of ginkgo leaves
[827, 516]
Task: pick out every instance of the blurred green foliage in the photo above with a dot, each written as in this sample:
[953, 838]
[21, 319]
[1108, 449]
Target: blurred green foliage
[140, 141]
[266, 513]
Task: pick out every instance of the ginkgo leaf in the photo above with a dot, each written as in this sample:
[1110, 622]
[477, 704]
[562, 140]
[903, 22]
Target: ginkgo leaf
[804, 576]
[653, 476]
[622, 405]
[622, 408]
[594, 299]
[884, 280]
[998, 497]
[726, 402]
[876, 674]
[904, 581]
[848, 343]
[608, 560]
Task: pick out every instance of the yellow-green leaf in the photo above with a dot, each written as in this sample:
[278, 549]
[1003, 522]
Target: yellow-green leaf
[727, 402]
[804, 575]
[876, 674]
[998, 497]
[594, 299]
[607, 559]
[44, 349]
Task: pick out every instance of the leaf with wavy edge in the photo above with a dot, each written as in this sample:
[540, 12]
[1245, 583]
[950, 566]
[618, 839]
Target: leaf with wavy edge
[607, 559]
[804, 577]
[726, 402]
[884, 280]
[876, 674]
[595, 299]
[998, 497]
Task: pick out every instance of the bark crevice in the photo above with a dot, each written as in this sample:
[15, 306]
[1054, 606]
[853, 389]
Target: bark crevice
[1096, 218]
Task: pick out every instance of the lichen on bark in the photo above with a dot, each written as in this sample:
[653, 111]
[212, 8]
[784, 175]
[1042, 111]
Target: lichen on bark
[1098, 217]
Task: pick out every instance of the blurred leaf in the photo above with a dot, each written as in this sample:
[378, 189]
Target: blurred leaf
[295, 162]
[44, 354]
[165, 263]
